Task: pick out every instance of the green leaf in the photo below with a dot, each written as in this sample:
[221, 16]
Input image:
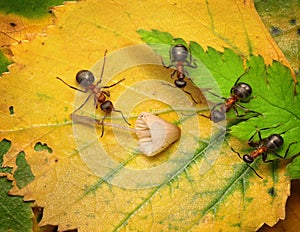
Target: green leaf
[156, 37]
[282, 19]
[41, 147]
[293, 169]
[272, 89]
[4, 147]
[15, 215]
[4, 62]
[28, 8]
[23, 174]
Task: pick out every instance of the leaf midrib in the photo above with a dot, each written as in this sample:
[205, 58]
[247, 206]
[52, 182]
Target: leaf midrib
[180, 171]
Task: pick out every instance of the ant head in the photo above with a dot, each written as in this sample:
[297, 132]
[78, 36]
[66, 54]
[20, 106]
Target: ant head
[274, 141]
[248, 159]
[217, 116]
[107, 106]
[179, 52]
[241, 90]
[85, 78]
[180, 83]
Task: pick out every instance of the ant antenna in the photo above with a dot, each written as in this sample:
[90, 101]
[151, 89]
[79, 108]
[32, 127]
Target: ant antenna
[102, 71]
[247, 163]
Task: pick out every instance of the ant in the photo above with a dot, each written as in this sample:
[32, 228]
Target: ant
[178, 55]
[86, 79]
[238, 93]
[263, 147]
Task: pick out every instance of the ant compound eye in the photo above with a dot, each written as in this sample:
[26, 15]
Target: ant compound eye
[179, 52]
[248, 159]
[107, 107]
[274, 141]
[242, 90]
[180, 83]
[217, 116]
[85, 78]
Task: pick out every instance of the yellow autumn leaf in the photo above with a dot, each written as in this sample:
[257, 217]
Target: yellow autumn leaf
[15, 28]
[78, 186]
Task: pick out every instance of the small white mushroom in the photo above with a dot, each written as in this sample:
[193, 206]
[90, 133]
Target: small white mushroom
[154, 134]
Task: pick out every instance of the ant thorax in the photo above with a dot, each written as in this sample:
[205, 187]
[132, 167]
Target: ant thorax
[229, 103]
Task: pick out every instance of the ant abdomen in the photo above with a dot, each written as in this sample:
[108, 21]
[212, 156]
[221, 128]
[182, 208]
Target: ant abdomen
[217, 116]
[179, 52]
[241, 90]
[107, 106]
[85, 78]
[274, 141]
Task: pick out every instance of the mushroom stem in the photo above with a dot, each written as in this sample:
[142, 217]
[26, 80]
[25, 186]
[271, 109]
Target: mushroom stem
[92, 121]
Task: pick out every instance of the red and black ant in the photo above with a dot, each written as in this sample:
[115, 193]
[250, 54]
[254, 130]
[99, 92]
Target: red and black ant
[238, 93]
[263, 147]
[178, 55]
[86, 79]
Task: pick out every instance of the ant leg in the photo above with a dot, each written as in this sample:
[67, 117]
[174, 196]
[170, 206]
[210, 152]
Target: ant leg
[242, 107]
[189, 63]
[212, 109]
[72, 87]
[205, 116]
[119, 111]
[236, 112]
[186, 73]
[243, 114]
[279, 156]
[259, 134]
[259, 130]
[190, 95]
[183, 91]
[165, 66]
[264, 156]
[82, 104]
[102, 123]
[173, 73]
[109, 86]
[102, 71]
[287, 150]
[250, 141]
[246, 111]
[246, 163]
[237, 80]
[216, 95]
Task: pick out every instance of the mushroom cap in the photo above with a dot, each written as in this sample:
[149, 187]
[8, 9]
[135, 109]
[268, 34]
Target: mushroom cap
[154, 134]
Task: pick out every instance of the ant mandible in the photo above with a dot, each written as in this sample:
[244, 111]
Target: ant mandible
[86, 79]
[263, 147]
[238, 93]
[178, 55]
